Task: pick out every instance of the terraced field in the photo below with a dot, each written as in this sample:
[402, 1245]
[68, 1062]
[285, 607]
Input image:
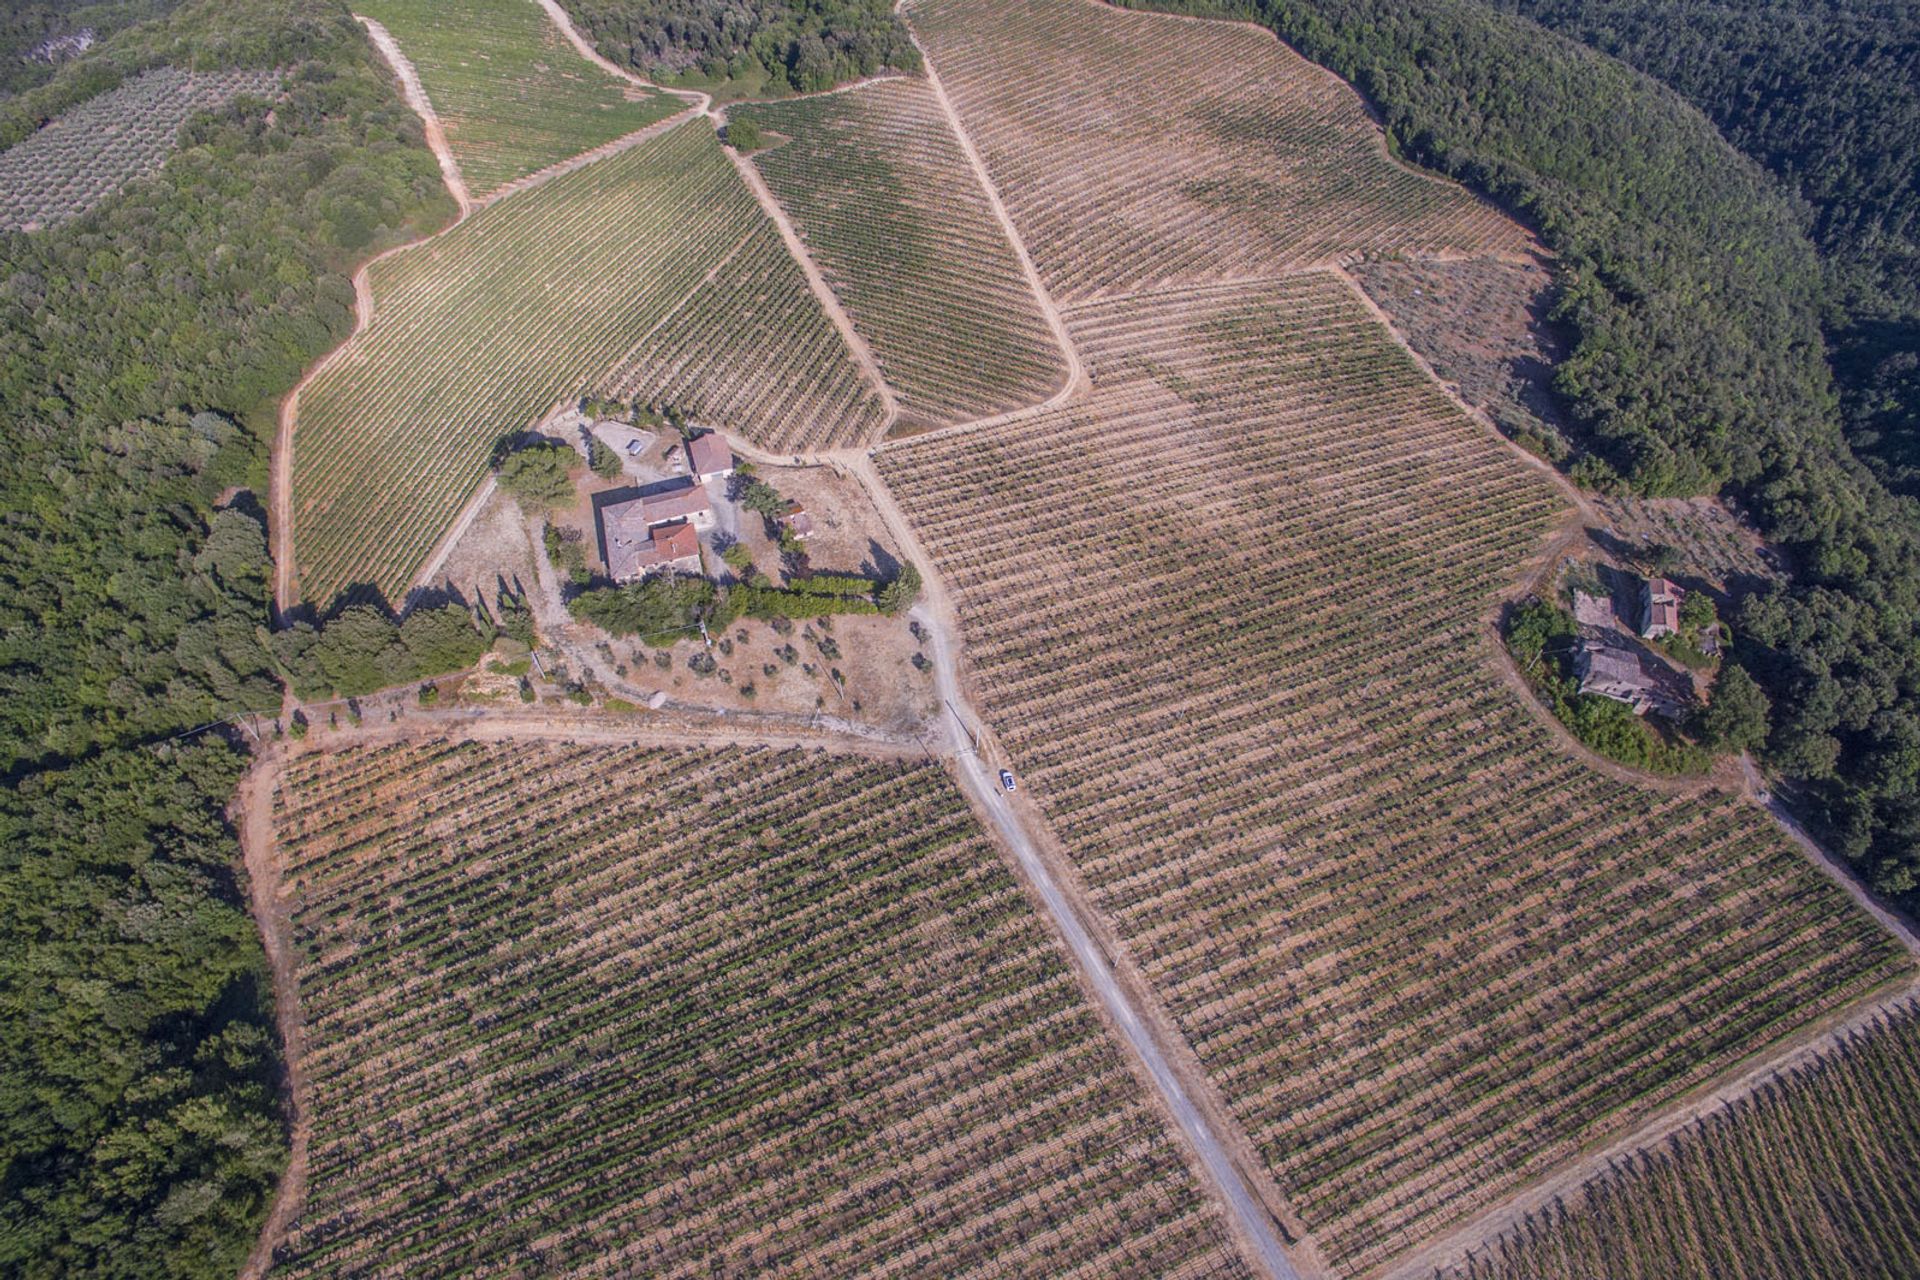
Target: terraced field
[1243, 158]
[1813, 1179]
[699, 1012]
[513, 95]
[1242, 661]
[881, 192]
[752, 350]
[74, 162]
[478, 333]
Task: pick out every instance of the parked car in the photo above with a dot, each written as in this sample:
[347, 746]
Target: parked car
[1006, 779]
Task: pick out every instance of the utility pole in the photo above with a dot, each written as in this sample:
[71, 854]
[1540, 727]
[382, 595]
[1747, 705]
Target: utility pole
[961, 721]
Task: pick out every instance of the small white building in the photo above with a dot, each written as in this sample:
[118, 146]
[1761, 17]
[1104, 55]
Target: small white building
[709, 457]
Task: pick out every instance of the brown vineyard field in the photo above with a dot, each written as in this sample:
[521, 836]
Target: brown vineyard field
[608, 1010]
[1240, 651]
[893, 214]
[1813, 1178]
[1244, 159]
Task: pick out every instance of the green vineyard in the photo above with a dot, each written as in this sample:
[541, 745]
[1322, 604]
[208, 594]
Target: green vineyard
[889, 208]
[478, 333]
[752, 349]
[1243, 661]
[1244, 159]
[513, 95]
[699, 1012]
[1813, 1178]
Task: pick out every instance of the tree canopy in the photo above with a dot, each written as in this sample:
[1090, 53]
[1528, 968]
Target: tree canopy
[799, 45]
[540, 475]
[141, 349]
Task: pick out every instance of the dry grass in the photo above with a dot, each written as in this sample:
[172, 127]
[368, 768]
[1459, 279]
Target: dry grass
[1812, 1178]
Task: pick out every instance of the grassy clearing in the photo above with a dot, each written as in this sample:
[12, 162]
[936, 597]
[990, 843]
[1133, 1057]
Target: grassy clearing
[879, 188]
[716, 1012]
[478, 333]
[1243, 662]
[1812, 1178]
[513, 95]
[1241, 159]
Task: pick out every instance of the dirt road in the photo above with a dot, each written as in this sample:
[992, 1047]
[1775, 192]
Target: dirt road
[1076, 371]
[252, 814]
[823, 294]
[416, 96]
[1249, 1218]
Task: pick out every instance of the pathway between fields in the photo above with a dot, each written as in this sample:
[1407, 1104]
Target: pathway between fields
[1250, 1219]
[280, 474]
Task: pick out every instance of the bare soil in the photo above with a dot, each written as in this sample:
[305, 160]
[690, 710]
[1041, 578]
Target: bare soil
[1483, 327]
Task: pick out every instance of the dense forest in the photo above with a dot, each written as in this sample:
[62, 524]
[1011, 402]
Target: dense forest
[1695, 299]
[141, 350]
[766, 45]
[1826, 95]
[38, 36]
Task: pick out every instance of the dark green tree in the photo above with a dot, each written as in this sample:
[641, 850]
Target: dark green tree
[1737, 717]
[540, 475]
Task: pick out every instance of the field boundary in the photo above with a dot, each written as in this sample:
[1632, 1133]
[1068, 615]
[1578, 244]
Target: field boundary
[1077, 379]
[280, 472]
[1740, 1082]
[416, 97]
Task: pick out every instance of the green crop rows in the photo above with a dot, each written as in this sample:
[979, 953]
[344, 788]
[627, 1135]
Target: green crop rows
[478, 333]
[699, 1012]
[1242, 659]
[883, 196]
[74, 162]
[1243, 159]
[1813, 1178]
[513, 95]
[752, 350]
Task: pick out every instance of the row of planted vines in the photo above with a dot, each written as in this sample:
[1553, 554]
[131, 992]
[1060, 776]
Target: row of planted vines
[888, 206]
[1813, 1177]
[1243, 158]
[478, 333]
[90, 151]
[1242, 656]
[699, 1012]
[752, 350]
[513, 95]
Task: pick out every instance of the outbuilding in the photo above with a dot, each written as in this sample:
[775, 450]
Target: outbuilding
[709, 457]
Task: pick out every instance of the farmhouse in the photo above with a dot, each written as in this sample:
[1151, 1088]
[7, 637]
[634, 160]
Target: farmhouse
[1660, 608]
[1613, 673]
[635, 552]
[708, 457]
[689, 502]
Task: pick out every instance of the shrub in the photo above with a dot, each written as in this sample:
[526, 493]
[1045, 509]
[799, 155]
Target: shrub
[540, 475]
[743, 135]
[601, 457]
